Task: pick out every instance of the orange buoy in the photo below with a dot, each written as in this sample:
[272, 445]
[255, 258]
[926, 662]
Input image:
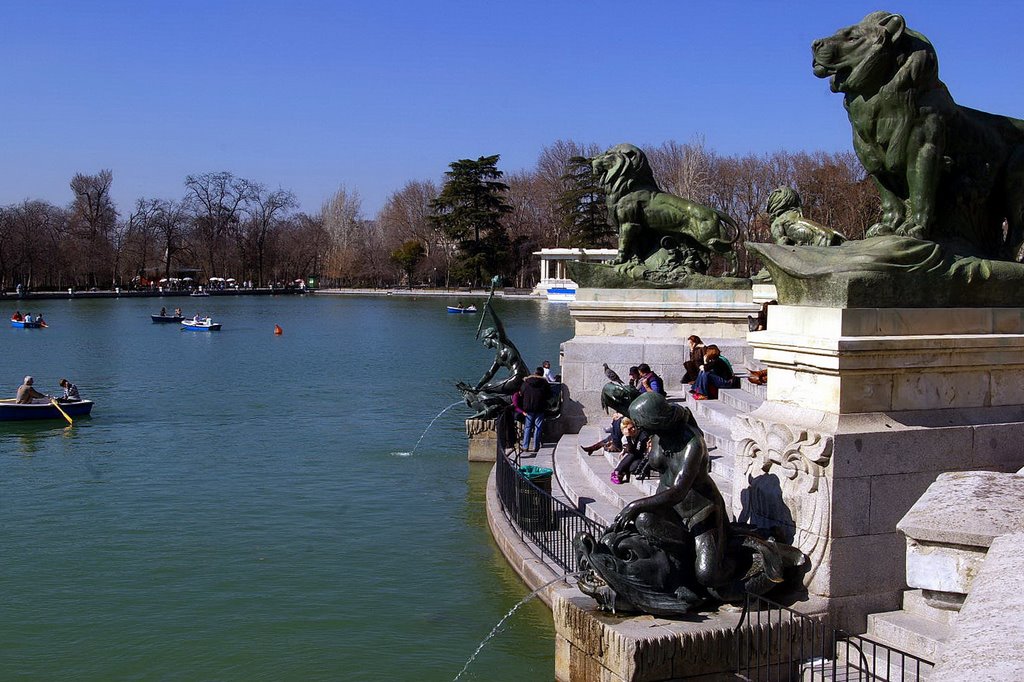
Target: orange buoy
[277, 330]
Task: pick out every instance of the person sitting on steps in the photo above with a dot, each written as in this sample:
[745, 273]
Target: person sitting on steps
[635, 446]
[613, 441]
[692, 366]
[716, 373]
[649, 381]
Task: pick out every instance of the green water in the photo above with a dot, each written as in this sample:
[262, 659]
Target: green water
[243, 506]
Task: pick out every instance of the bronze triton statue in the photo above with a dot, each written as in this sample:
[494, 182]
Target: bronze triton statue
[669, 553]
[491, 395]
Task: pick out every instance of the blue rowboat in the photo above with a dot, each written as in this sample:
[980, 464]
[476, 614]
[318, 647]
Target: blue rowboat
[202, 325]
[40, 408]
[164, 319]
[457, 309]
[28, 325]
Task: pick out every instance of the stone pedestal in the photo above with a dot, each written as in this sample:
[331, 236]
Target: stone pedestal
[625, 327]
[483, 440]
[866, 407]
[950, 528]
[592, 645]
[764, 293]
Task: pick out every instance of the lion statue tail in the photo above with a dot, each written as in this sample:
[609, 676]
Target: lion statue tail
[724, 242]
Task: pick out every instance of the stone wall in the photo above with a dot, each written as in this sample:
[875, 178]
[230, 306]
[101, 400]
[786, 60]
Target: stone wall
[865, 409]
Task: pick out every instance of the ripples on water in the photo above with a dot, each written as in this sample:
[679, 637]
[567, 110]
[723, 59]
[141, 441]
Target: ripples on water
[245, 506]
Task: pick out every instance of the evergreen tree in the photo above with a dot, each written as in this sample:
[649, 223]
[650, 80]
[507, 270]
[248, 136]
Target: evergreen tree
[582, 207]
[408, 256]
[469, 211]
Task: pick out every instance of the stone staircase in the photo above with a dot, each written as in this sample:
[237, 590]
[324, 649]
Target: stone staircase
[585, 478]
[918, 629]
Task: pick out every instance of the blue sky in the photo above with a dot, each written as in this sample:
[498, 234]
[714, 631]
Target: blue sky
[310, 95]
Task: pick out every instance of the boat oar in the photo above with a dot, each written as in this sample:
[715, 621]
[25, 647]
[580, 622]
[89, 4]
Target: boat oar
[54, 403]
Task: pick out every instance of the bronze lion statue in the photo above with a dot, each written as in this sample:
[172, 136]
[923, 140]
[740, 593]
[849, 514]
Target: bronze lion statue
[649, 219]
[790, 227]
[945, 172]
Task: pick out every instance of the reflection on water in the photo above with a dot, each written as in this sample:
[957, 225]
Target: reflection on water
[29, 437]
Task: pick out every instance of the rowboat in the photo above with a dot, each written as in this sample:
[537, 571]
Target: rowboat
[199, 293]
[40, 408]
[201, 325]
[28, 325]
[164, 319]
[457, 309]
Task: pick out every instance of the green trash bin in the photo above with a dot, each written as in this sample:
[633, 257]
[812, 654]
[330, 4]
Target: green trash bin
[535, 511]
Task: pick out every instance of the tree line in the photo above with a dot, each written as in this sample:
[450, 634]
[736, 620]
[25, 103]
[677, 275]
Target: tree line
[476, 223]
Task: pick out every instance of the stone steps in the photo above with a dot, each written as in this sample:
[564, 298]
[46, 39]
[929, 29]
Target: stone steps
[912, 630]
[740, 398]
[585, 479]
[915, 634]
[576, 480]
[914, 602]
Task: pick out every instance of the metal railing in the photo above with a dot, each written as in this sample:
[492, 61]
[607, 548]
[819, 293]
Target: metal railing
[549, 523]
[774, 642]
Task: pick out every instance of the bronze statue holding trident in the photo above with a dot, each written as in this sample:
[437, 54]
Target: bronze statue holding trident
[490, 395]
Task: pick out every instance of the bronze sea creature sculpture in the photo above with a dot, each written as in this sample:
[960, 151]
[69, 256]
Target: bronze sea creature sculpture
[671, 552]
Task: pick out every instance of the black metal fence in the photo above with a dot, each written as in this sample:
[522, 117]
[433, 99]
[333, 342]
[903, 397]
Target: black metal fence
[776, 643]
[535, 513]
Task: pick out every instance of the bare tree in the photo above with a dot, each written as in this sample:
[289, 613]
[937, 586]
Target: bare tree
[217, 200]
[170, 222]
[264, 212]
[341, 215]
[303, 247]
[553, 164]
[93, 219]
[686, 170]
[37, 229]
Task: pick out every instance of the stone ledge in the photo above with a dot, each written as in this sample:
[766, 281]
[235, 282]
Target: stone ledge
[521, 555]
[985, 642]
[896, 321]
[593, 645]
[714, 296]
[969, 508]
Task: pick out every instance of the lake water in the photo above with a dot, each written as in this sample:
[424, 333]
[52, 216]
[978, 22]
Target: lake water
[243, 506]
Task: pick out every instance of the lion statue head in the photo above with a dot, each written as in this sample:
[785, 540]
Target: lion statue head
[877, 53]
[623, 169]
[783, 199]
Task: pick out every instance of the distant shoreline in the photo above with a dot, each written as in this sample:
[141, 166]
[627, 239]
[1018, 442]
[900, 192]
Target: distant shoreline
[439, 293]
